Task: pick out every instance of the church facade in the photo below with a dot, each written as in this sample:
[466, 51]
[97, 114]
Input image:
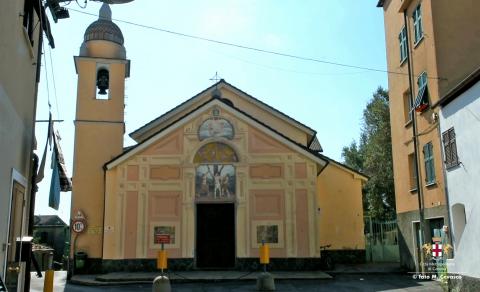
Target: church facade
[219, 175]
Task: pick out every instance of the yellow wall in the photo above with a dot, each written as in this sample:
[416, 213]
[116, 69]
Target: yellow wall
[449, 51]
[18, 59]
[457, 39]
[99, 130]
[339, 197]
[424, 57]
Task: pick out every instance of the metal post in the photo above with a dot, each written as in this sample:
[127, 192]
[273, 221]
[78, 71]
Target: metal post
[163, 248]
[382, 241]
[371, 239]
[74, 252]
[264, 264]
[415, 146]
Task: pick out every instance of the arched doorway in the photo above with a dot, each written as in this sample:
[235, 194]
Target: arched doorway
[215, 185]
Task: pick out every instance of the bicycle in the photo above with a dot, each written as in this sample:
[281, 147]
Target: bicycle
[326, 260]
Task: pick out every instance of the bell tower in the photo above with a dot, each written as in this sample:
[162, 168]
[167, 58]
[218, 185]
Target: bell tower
[102, 68]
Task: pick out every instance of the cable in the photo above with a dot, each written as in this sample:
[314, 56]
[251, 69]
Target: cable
[53, 80]
[46, 79]
[252, 48]
[287, 70]
[84, 5]
[40, 58]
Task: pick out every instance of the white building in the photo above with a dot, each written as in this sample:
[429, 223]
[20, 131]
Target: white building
[460, 133]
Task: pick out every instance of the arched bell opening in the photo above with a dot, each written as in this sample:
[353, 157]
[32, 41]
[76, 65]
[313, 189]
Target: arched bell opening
[103, 83]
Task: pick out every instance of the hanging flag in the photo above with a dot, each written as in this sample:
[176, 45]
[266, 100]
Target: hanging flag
[54, 196]
[65, 181]
[41, 169]
[60, 181]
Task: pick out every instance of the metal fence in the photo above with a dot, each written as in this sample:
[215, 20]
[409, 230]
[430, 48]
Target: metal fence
[381, 241]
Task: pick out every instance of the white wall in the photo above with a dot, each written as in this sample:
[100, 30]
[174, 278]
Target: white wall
[463, 114]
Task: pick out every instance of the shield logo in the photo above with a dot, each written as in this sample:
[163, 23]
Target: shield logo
[437, 250]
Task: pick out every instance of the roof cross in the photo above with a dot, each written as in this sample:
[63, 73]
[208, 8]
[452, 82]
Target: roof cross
[215, 78]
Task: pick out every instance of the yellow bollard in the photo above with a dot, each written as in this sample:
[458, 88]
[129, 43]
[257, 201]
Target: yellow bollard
[49, 274]
[265, 281]
[162, 260]
[264, 254]
[48, 283]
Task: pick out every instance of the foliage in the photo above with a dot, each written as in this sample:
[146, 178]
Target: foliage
[373, 156]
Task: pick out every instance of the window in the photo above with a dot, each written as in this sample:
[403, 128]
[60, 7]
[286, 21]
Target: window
[429, 164]
[402, 39]
[417, 23]
[422, 101]
[422, 80]
[413, 172]
[28, 19]
[435, 227]
[408, 106]
[450, 148]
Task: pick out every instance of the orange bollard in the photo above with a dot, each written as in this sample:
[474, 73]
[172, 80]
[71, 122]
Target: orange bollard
[264, 254]
[162, 260]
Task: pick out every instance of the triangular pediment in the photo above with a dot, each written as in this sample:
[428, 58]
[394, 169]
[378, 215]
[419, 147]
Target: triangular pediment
[239, 99]
[172, 144]
[258, 142]
[262, 138]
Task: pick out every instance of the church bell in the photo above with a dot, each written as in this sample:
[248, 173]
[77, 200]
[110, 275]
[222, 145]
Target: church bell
[102, 81]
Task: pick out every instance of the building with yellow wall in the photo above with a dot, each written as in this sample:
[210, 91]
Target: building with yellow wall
[21, 36]
[218, 175]
[438, 41]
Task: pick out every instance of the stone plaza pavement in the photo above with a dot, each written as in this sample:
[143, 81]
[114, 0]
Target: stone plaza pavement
[367, 277]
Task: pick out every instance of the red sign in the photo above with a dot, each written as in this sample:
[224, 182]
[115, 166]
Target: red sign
[162, 238]
[78, 225]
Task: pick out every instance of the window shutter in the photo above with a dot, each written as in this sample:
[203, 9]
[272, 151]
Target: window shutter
[453, 147]
[447, 148]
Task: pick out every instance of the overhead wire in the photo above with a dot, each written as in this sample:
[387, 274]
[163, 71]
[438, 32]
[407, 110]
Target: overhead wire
[46, 79]
[292, 56]
[79, 5]
[288, 70]
[46, 69]
[54, 83]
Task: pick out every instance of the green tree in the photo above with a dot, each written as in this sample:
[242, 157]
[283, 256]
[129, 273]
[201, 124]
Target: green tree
[373, 156]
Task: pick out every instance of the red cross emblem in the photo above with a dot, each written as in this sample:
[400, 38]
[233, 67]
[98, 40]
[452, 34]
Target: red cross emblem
[437, 250]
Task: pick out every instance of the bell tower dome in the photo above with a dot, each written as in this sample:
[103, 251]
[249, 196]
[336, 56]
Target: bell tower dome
[102, 68]
[103, 38]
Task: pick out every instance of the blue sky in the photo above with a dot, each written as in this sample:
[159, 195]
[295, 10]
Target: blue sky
[167, 69]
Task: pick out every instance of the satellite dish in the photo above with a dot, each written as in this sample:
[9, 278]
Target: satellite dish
[114, 1]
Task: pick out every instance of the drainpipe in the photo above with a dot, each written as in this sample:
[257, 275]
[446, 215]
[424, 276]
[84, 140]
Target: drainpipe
[33, 156]
[445, 184]
[415, 144]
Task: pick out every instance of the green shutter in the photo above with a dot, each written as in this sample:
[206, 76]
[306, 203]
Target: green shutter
[429, 163]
